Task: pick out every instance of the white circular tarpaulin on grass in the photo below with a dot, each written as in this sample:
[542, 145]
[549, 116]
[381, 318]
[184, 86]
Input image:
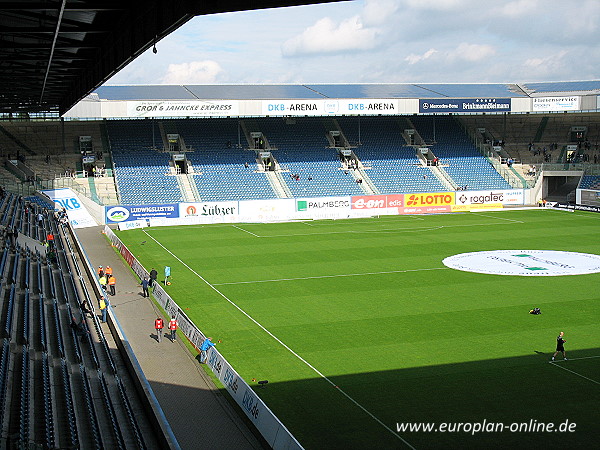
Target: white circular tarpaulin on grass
[526, 263]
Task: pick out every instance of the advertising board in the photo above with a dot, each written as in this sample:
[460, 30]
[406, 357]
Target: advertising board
[555, 103]
[445, 105]
[123, 213]
[188, 108]
[77, 213]
[363, 202]
[504, 197]
[321, 107]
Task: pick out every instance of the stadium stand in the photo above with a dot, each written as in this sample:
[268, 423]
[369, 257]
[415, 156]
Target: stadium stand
[219, 171]
[590, 182]
[394, 166]
[301, 148]
[141, 172]
[48, 348]
[458, 156]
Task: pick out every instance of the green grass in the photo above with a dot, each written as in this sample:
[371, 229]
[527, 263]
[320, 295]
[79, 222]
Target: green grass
[352, 298]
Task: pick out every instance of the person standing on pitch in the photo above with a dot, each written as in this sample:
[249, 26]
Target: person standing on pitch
[206, 345]
[560, 346]
[145, 292]
[158, 326]
[173, 327]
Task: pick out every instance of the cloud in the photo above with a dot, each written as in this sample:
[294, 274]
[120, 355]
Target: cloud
[377, 12]
[413, 59]
[195, 72]
[437, 5]
[471, 52]
[326, 37]
[547, 64]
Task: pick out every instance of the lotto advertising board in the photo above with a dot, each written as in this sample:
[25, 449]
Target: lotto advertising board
[428, 203]
[77, 213]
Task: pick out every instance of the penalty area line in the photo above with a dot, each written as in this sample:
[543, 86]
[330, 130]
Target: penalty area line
[573, 372]
[246, 231]
[262, 327]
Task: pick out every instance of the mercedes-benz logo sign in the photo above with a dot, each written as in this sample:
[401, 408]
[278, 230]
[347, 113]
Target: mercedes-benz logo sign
[425, 105]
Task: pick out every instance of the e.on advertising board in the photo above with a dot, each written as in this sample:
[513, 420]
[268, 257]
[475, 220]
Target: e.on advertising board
[428, 203]
[377, 204]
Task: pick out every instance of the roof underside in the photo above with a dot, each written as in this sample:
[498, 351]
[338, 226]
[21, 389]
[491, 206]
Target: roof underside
[54, 52]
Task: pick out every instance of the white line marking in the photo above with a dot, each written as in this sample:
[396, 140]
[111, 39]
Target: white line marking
[501, 218]
[328, 276]
[245, 231]
[575, 359]
[573, 372]
[281, 342]
[391, 230]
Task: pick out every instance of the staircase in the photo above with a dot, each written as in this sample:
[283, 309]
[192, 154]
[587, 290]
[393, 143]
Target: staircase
[186, 188]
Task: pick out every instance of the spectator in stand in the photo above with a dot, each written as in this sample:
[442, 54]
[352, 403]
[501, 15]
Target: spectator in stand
[50, 239]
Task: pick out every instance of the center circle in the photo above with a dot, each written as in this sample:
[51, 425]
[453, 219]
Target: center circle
[525, 263]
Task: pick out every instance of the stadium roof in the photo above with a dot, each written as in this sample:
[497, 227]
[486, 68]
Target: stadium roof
[54, 52]
[355, 91]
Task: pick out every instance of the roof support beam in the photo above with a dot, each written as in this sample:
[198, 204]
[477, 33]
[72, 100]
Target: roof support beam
[60, 14]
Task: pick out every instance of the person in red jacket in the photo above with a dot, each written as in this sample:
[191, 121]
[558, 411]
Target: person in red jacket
[158, 326]
[173, 327]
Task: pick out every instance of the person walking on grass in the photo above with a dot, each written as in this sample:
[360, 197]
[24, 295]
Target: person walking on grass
[560, 346]
[158, 326]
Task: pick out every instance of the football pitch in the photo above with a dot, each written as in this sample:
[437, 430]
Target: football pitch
[362, 331]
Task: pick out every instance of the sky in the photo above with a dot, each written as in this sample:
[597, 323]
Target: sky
[381, 41]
